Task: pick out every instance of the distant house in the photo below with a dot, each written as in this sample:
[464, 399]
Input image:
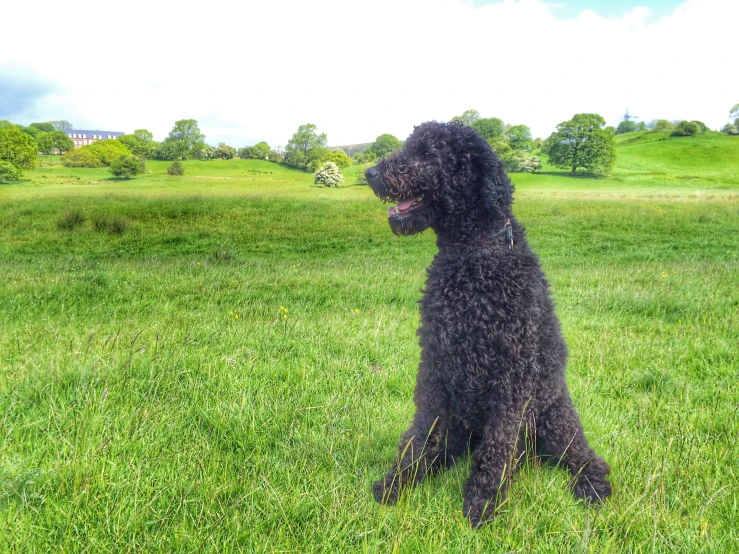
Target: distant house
[82, 137]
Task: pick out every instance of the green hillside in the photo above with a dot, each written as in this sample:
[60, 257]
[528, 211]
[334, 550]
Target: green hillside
[654, 162]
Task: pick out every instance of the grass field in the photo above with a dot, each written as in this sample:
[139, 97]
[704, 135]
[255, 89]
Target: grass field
[224, 361]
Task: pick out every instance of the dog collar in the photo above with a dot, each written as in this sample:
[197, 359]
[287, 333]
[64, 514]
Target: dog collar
[507, 230]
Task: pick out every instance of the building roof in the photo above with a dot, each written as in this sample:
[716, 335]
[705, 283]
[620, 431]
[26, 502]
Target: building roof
[89, 133]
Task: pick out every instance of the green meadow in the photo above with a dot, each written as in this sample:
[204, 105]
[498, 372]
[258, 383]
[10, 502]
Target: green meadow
[224, 361]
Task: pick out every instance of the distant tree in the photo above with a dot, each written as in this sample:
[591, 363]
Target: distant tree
[206, 152]
[45, 127]
[56, 140]
[662, 125]
[264, 148]
[469, 117]
[305, 146]
[611, 129]
[133, 144]
[61, 125]
[519, 137]
[176, 168]
[641, 126]
[140, 142]
[249, 153]
[184, 141]
[275, 156]
[4, 124]
[582, 142]
[686, 129]
[125, 166]
[734, 112]
[224, 151]
[338, 157]
[366, 157]
[500, 146]
[489, 127]
[626, 127]
[45, 143]
[328, 174]
[384, 145]
[18, 148]
[731, 129]
[146, 139]
[702, 126]
[33, 131]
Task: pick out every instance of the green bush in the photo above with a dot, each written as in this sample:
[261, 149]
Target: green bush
[126, 166]
[81, 157]
[108, 150]
[71, 219]
[176, 168]
[686, 129]
[731, 129]
[113, 225]
[8, 172]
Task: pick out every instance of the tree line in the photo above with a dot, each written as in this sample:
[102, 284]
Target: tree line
[582, 143]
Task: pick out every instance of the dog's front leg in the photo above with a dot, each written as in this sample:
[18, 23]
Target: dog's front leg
[492, 463]
[422, 448]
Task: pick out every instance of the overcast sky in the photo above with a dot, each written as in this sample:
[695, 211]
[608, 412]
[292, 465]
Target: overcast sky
[251, 71]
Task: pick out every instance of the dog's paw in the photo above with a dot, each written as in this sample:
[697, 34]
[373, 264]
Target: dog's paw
[478, 510]
[385, 493]
[593, 489]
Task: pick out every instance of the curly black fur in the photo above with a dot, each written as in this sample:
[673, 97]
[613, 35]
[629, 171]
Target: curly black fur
[492, 355]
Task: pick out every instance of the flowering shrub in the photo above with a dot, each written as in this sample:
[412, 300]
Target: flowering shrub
[328, 174]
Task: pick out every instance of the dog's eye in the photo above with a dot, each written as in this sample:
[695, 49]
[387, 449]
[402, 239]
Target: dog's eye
[427, 154]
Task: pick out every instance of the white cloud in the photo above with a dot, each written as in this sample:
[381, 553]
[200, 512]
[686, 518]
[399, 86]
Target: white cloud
[250, 71]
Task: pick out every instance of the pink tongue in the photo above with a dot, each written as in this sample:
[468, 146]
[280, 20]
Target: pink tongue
[405, 204]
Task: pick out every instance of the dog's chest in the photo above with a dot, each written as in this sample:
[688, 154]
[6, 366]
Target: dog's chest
[475, 333]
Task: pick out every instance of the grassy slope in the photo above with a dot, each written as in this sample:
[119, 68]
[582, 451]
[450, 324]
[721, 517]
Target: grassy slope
[649, 162]
[139, 413]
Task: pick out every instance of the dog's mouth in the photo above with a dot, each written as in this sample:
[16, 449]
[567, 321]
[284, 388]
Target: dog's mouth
[406, 206]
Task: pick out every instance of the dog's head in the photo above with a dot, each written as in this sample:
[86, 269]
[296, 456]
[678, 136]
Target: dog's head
[445, 177]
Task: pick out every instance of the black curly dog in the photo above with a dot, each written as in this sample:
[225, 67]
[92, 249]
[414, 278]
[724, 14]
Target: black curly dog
[492, 373]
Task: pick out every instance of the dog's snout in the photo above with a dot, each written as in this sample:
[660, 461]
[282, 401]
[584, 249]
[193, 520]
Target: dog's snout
[375, 182]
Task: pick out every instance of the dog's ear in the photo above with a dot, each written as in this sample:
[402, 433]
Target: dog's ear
[496, 188]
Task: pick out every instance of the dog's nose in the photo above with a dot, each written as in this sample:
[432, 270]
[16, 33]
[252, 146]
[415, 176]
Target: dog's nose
[371, 173]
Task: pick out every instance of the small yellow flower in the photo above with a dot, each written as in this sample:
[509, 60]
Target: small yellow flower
[664, 275]
[356, 310]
